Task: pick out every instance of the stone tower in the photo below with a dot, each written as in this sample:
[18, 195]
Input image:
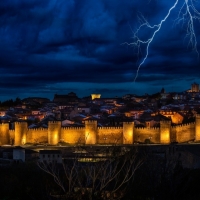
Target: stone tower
[21, 129]
[90, 132]
[197, 127]
[4, 134]
[95, 96]
[165, 128]
[54, 130]
[128, 128]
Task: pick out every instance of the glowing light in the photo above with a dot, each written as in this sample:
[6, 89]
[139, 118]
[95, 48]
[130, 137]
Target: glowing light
[187, 14]
[95, 96]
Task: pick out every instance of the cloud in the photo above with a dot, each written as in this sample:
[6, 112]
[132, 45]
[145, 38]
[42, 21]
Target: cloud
[49, 42]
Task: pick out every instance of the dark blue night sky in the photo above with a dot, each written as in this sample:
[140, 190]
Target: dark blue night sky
[59, 46]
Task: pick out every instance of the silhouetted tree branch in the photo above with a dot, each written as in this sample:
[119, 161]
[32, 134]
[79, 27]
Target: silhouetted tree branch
[102, 178]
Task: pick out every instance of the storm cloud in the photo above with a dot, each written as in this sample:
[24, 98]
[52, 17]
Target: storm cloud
[52, 46]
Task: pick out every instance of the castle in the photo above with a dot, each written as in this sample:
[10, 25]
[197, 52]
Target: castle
[92, 134]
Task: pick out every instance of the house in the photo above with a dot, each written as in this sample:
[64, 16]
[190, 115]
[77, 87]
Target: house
[83, 109]
[3, 113]
[177, 118]
[50, 156]
[19, 154]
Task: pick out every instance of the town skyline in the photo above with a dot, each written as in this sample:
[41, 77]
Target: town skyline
[51, 96]
[102, 95]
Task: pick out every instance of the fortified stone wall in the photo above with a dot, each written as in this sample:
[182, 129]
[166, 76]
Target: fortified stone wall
[12, 136]
[143, 133]
[128, 133]
[197, 128]
[184, 132]
[73, 135]
[37, 135]
[21, 129]
[91, 134]
[54, 131]
[173, 134]
[109, 135]
[165, 135]
[4, 130]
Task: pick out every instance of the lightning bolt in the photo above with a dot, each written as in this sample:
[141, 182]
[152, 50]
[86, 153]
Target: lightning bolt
[187, 14]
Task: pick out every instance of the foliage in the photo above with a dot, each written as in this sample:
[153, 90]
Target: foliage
[9, 103]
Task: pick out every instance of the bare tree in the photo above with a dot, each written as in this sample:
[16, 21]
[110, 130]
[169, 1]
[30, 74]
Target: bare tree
[94, 176]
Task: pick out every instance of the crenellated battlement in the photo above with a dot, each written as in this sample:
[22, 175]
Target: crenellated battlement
[4, 126]
[90, 122]
[37, 129]
[183, 125]
[72, 128]
[109, 127]
[151, 128]
[20, 123]
[91, 133]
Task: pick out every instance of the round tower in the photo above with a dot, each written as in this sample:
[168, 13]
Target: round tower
[197, 127]
[90, 132]
[165, 127]
[4, 134]
[54, 129]
[21, 129]
[128, 136]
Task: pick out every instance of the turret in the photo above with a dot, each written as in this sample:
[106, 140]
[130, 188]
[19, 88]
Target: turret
[165, 127]
[21, 129]
[197, 127]
[54, 130]
[128, 128]
[4, 134]
[90, 132]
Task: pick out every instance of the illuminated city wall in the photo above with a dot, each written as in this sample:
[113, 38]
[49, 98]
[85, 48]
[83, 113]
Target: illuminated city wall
[128, 128]
[91, 134]
[12, 136]
[183, 132]
[54, 129]
[37, 135]
[4, 130]
[110, 135]
[21, 129]
[197, 128]
[142, 133]
[165, 129]
[73, 135]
